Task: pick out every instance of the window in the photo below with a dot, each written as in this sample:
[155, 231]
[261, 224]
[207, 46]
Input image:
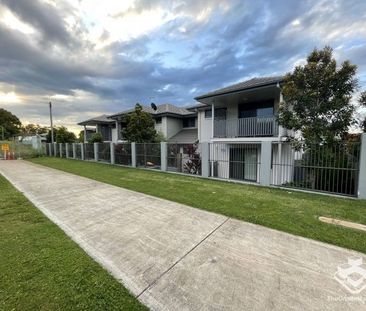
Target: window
[158, 120]
[256, 109]
[208, 114]
[189, 122]
[220, 113]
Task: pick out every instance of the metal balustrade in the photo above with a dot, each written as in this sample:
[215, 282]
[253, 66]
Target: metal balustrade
[184, 158]
[148, 155]
[246, 127]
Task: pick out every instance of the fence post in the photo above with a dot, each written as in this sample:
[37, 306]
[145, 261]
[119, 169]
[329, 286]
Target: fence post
[74, 150]
[60, 150]
[49, 149]
[66, 150]
[133, 154]
[96, 147]
[82, 151]
[205, 159]
[265, 164]
[113, 159]
[55, 149]
[163, 156]
[362, 169]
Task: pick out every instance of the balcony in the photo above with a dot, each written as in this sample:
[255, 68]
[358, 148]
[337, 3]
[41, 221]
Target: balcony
[246, 127]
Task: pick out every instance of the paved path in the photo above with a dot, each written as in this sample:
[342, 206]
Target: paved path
[173, 257]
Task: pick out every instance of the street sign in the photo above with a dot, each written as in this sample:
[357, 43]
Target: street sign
[5, 147]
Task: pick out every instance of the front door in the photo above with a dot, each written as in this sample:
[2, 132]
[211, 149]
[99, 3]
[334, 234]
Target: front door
[244, 163]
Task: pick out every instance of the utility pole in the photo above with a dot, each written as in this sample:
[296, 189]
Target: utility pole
[51, 123]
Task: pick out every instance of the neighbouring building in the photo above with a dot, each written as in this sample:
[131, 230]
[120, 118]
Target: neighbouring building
[176, 124]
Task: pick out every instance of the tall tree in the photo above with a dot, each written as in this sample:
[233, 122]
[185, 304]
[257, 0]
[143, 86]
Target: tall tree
[10, 125]
[317, 98]
[33, 129]
[62, 135]
[362, 101]
[140, 126]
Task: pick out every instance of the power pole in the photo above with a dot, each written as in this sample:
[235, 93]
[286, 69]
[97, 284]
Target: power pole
[52, 140]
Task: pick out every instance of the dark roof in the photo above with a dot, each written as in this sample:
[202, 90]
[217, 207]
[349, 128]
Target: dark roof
[99, 119]
[161, 109]
[245, 85]
[185, 136]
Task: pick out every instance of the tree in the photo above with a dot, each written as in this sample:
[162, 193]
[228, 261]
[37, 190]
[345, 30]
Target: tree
[362, 101]
[140, 126]
[96, 138]
[62, 135]
[34, 129]
[81, 136]
[317, 98]
[10, 125]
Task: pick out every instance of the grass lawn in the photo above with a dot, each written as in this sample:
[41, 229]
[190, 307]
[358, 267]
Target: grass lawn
[42, 269]
[288, 211]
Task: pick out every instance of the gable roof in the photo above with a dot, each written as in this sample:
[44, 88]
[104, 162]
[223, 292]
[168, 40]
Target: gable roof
[244, 85]
[96, 120]
[161, 109]
[185, 136]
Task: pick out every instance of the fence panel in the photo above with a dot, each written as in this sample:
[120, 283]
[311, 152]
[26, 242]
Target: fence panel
[326, 168]
[63, 151]
[148, 155]
[238, 161]
[123, 154]
[104, 152]
[78, 151]
[89, 151]
[69, 150]
[184, 158]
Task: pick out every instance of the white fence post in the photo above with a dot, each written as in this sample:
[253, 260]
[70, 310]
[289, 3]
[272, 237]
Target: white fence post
[49, 149]
[96, 148]
[66, 150]
[265, 164]
[163, 156]
[82, 151]
[74, 150]
[362, 169]
[113, 158]
[60, 145]
[133, 154]
[205, 159]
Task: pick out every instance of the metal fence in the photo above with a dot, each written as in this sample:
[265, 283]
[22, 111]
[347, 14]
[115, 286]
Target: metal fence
[78, 151]
[104, 152]
[63, 151]
[148, 155]
[238, 161]
[123, 154]
[70, 153]
[89, 151]
[325, 168]
[184, 158]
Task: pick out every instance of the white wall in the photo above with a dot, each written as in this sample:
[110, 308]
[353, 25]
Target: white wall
[173, 126]
[204, 127]
[114, 135]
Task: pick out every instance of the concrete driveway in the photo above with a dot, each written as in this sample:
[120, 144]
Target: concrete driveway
[174, 257]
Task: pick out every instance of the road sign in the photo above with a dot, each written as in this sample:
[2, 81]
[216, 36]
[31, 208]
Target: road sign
[5, 147]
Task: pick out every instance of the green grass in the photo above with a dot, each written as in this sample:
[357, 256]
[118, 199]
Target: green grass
[42, 269]
[288, 211]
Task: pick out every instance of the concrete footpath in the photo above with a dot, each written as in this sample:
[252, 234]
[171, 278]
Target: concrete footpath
[174, 257]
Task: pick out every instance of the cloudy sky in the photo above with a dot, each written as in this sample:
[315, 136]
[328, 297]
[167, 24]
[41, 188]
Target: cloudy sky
[91, 57]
